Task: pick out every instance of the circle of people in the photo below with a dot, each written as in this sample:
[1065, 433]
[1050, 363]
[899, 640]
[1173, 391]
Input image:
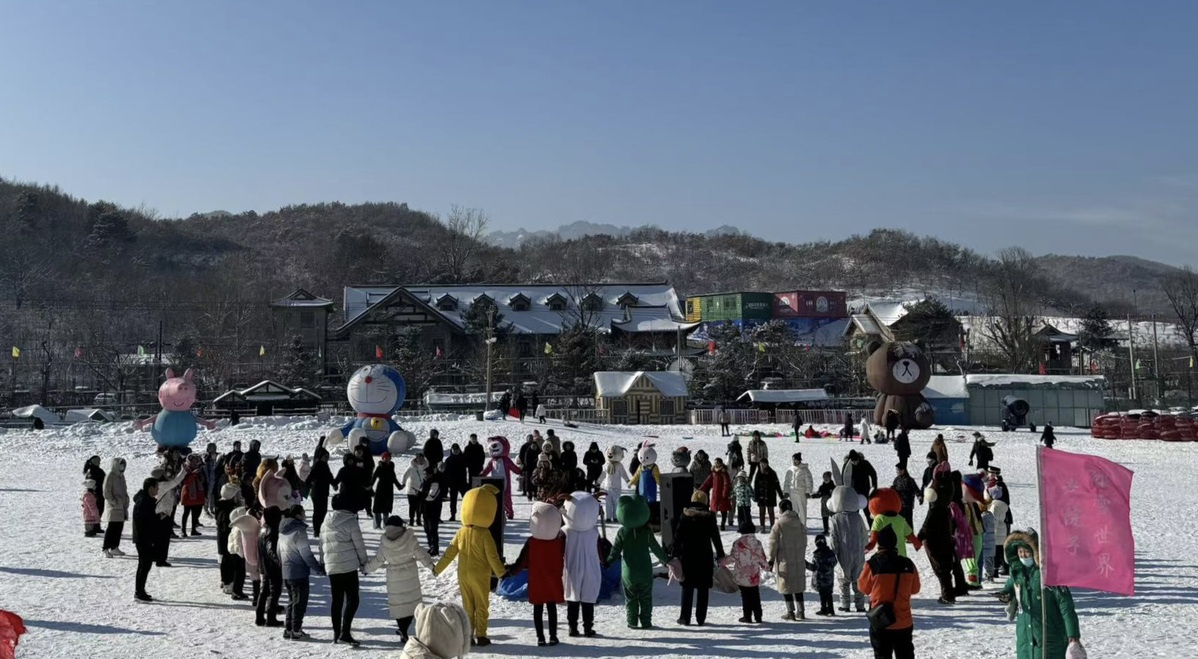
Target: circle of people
[262, 534]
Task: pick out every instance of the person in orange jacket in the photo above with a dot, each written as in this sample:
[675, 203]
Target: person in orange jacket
[890, 578]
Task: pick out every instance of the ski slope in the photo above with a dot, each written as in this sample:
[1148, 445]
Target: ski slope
[78, 604]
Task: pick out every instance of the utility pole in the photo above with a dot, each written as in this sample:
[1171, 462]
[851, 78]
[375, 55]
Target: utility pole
[1156, 363]
[490, 342]
[1131, 354]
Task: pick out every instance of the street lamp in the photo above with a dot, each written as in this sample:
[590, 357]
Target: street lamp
[490, 343]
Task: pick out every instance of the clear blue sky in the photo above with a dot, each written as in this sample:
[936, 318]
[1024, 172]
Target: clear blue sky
[1061, 126]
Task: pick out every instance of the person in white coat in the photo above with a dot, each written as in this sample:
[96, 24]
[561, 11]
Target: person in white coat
[797, 485]
[343, 552]
[400, 550]
[614, 478]
[413, 484]
[584, 574]
[243, 545]
[116, 507]
[788, 558]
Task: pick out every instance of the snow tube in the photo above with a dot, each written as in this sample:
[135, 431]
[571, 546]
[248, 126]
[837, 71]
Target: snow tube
[514, 588]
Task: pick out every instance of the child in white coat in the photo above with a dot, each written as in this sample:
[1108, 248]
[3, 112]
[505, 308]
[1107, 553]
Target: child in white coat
[400, 550]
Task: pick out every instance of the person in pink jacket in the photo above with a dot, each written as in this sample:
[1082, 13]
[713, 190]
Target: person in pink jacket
[746, 562]
[91, 511]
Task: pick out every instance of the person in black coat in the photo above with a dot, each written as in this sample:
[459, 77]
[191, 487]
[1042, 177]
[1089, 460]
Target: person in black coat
[92, 470]
[320, 480]
[982, 451]
[530, 452]
[861, 476]
[594, 460]
[353, 483]
[434, 451]
[766, 492]
[270, 568]
[432, 493]
[697, 546]
[476, 457]
[250, 462]
[569, 459]
[505, 403]
[365, 459]
[1048, 436]
[521, 405]
[229, 463]
[145, 534]
[457, 478]
[385, 483]
[902, 446]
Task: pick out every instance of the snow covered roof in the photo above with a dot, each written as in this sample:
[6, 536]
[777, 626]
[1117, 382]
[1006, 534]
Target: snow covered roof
[36, 411]
[645, 307]
[435, 399]
[1038, 381]
[784, 395]
[946, 386]
[866, 324]
[613, 384]
[1167, 334]
[302, 298]
[89, 414]
[267, 390]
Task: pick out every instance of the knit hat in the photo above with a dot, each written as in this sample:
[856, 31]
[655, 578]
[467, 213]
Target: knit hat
[887, 539]
[699, 497]
[395, 520]
[228, 491]
[821, 540]
[748, 528]
[785, 505]
[386, 455]
[994, 470]
[932, 455]
[973, 486]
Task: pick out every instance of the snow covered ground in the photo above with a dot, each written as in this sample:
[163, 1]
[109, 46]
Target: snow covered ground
[78, 604]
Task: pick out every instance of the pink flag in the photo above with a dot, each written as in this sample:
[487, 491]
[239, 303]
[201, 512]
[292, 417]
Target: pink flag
[1085, 521]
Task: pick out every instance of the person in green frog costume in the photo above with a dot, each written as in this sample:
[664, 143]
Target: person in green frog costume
[634, 544]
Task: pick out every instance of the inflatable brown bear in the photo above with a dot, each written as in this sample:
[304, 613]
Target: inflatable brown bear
[899, 371]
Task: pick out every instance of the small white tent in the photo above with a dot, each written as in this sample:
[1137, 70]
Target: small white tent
[37, 412]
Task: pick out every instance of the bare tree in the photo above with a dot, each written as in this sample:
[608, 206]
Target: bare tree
[1181, 289]
[460, 249]
[1011, 301]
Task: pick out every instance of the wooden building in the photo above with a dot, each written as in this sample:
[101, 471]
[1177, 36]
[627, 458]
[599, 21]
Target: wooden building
[641, 397]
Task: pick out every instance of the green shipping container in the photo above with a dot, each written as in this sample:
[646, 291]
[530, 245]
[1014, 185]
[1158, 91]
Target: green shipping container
[736, 306]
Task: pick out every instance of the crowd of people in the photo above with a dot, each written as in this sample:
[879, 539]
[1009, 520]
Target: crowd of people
[260, 506]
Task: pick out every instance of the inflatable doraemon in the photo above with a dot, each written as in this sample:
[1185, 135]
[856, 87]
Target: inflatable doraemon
[375, 392]
[175, 426]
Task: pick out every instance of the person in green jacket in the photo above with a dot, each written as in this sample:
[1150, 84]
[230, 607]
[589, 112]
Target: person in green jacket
[1037, 637]
[634, 543]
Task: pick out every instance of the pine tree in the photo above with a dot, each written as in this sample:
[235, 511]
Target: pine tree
[299, 366]
[573, 360]
[416, 362]
[724, 376]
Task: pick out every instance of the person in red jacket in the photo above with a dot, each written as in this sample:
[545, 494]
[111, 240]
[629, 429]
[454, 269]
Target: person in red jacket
[544, 556]
[891, 579]
[192, 496]
[718, 487]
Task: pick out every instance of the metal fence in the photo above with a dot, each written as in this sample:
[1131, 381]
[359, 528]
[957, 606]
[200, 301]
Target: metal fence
[584, 415]
[787, 417]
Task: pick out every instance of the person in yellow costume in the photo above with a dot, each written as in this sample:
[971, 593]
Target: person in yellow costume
[478, 559]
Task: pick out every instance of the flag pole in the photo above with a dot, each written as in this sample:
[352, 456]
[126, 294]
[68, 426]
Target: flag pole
[1043, 554]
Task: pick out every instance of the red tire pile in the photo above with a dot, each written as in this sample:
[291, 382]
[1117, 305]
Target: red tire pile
[1146, 425]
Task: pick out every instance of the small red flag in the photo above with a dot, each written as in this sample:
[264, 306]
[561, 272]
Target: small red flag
[1043, 369]
[78, 353]
[438, 352]
[378, 352]
[711, 347]
[199, 352]
[11, 629]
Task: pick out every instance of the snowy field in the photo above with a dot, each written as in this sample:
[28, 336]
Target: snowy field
[78, 604]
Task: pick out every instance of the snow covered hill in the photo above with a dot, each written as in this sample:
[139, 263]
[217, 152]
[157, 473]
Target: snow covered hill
[78, 604]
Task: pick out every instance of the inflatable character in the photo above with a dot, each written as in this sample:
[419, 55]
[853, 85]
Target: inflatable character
[501, 466]
[375, 392]
[478, 559]
[885, 505]
[899, 372]
[636, 545]
[584, 570]
[175, 425]
[847, 538]
[681, 459]
[647, 486]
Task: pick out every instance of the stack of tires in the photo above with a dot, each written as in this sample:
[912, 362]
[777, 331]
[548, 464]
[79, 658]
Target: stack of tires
[1146, 425]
